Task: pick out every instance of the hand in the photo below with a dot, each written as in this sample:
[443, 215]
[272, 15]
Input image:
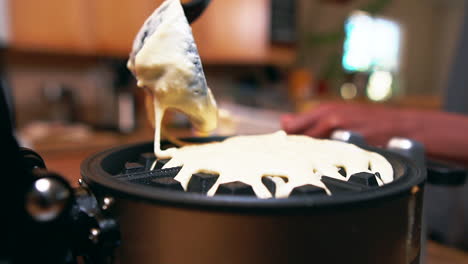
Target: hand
[443, 134]
[376, 123]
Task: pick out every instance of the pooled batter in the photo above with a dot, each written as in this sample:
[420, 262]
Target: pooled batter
[299, 159]
[166, 63]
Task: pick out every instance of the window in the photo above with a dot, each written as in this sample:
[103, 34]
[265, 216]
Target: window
[371, 44]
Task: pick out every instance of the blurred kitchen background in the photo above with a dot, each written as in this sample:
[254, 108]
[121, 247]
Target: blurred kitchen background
[64, 62]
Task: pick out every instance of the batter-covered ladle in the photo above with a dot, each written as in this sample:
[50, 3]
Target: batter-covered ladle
[166, 63]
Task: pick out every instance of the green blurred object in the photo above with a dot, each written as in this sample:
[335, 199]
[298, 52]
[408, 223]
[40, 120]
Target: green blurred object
[376, 7]
[323, 38]
[333, 69]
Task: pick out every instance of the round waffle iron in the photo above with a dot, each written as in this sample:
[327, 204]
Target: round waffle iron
[161, 223]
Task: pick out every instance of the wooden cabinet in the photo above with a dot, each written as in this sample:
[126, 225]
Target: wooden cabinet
[237, 31]
[51, 26]
[229, 32]
[117, 22]
[233, 30]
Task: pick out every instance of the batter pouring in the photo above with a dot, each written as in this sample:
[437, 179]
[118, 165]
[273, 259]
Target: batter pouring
[167, 65]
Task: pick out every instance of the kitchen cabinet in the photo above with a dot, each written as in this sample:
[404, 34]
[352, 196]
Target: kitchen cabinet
[229, 32]
[52, 26]
[117, 22]
[237, 31]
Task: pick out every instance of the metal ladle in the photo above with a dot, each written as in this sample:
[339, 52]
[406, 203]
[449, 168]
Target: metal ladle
[194, 9]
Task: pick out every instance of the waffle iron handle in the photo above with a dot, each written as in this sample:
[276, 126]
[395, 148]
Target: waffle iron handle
[84, 224]
[80, 225]
[47, 220]
[96, 231]
[438, 173]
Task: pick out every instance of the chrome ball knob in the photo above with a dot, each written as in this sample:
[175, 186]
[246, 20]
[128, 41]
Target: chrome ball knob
[409, 148]
[47, 199]
[348, 136]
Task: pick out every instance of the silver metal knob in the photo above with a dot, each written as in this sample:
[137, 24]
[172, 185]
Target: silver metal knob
[409, 148]
[107, 202]
[47, 199]
[348, 136]
[94, 235]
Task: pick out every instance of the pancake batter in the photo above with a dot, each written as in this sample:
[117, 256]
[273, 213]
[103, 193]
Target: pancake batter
[299, 159]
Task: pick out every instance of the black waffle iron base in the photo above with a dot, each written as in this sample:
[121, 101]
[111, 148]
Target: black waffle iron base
[161, 224]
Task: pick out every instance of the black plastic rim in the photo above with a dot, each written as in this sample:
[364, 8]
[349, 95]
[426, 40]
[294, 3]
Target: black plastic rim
[406, 174]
